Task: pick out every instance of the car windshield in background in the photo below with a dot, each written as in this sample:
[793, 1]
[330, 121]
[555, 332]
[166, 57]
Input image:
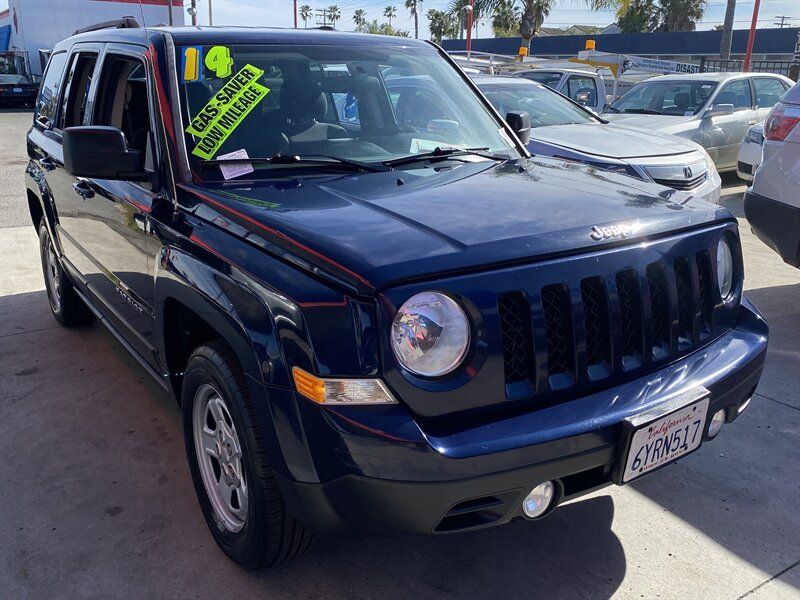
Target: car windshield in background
[548, 78]
[682, 98]
[545, 106]
[329, 103]
[11, 79]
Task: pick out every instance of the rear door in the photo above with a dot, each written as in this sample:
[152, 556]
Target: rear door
[768, 91]
[113, 216]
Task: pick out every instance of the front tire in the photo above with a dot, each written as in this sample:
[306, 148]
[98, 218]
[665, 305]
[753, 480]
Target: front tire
[67, 307]
[234, 482]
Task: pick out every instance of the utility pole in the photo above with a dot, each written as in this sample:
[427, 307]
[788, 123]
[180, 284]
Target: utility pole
[727, 31]
[210, 16]
[295, 13]
[752, 37]
[781, 20]
[169, 12]
[322, 17]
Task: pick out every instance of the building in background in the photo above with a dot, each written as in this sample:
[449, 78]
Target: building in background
[30, 28]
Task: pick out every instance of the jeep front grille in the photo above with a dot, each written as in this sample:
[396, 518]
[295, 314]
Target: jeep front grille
[594, 327]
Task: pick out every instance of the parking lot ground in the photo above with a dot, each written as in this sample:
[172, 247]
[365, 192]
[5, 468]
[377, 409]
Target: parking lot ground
[96, 499]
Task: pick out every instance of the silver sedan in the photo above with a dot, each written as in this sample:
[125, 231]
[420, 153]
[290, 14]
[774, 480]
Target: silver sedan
[713, 109]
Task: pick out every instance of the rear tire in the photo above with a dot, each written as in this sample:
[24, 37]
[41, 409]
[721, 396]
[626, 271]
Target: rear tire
[67, 307]
[234, 482]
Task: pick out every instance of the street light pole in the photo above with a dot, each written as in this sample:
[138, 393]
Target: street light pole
[751, 38]
[210, 16]
[470, 15]
[295, 14]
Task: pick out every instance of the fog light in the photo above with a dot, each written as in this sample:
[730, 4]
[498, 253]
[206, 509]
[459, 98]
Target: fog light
[539, 500]
[716, 423]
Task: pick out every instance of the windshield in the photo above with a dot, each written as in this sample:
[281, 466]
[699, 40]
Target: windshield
[548, 78]
[262, 101]
[12, 79]
[545, 106]
[682, 98]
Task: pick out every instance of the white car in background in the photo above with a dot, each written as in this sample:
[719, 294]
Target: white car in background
[713, 109]
[750, 153]
[772, 204]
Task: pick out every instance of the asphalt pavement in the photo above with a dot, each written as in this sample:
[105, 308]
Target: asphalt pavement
[96, 499]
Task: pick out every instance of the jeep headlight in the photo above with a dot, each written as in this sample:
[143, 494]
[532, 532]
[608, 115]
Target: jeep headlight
[430, 334]
[724, 269]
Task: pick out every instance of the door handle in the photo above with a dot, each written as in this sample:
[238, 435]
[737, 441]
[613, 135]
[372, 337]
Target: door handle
[83, 190]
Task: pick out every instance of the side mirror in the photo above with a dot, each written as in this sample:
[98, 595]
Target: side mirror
[520, 122]
[101, 153]
[719, 110]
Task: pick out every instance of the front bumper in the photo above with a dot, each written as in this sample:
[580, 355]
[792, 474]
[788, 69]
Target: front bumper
[398, 476]
[777, 224]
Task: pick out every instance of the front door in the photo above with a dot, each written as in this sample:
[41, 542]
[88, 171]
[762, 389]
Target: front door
[113, 216]
[724, 133]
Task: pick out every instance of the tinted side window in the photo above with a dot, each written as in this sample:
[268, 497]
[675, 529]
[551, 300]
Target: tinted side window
[123, 102]
[76, 98]
[768, 91]
[582, 89]
[736, 93]
[47, 103]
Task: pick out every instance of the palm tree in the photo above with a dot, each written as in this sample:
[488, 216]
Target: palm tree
[533, 14]
[305, 14]
[441, 24]
[390, 12]
[414, 8]
[360, 18]
[505, 20]
[334, 14]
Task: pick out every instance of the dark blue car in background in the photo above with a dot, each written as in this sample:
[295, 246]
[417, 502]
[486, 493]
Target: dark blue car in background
[376, 318]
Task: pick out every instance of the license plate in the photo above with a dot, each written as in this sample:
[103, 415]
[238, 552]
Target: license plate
[664, 438]
[17, 90]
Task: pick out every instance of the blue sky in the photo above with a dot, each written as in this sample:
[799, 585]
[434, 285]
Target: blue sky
[567, 12]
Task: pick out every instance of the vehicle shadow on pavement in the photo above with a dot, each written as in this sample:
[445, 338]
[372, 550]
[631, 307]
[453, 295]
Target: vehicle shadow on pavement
[741, 489]
[571, 553]
[104, 506]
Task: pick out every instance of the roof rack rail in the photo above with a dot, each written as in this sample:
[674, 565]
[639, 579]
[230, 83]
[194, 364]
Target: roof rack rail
[123, 23]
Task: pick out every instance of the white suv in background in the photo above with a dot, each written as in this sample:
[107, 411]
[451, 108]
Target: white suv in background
[772, 204]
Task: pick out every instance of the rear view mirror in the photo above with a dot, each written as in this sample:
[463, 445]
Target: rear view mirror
[719, 110]
[101, 153]
[520, 122]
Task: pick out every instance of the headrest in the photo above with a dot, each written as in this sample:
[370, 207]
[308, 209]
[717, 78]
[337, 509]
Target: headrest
[302, 99]
[682, 100]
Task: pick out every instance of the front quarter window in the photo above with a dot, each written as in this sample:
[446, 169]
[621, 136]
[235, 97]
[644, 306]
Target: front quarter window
[358, 103]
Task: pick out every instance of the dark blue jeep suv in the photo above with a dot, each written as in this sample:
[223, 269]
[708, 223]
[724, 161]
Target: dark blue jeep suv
[372, 324]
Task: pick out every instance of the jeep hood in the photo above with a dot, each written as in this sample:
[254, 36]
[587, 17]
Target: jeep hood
[612, 140]
[375, 229]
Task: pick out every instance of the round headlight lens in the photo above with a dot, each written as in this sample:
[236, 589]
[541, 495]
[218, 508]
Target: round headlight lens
[430, 334]
[724, 269]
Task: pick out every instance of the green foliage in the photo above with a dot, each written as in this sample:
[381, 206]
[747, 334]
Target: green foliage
[635, 16]
[334, 14]
[441, 25]
[505, 20]
[381, 29]
[360, 17]
[533, 15]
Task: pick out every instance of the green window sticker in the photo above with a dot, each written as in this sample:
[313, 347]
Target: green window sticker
[226, 110]
[218, 59]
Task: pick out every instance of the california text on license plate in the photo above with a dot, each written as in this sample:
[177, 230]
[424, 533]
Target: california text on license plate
[666, 439]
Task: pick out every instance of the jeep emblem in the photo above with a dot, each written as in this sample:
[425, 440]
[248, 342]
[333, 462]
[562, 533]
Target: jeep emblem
[605, 233]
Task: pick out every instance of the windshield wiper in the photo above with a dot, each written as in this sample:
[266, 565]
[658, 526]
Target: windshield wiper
[612, 109]
[641, 111]
[317, 159]
[440, 153]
